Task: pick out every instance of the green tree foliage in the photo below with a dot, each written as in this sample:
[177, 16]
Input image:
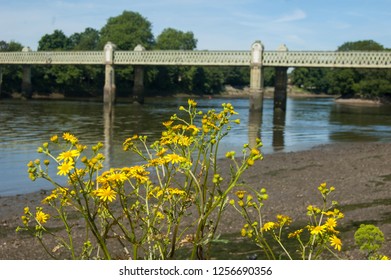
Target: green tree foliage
[11, 74]
[127, 31]
[57, 41]
[174, 78]
[85, 41]
[361, 83]
[172, 39]
[68, 79]
[365, 45]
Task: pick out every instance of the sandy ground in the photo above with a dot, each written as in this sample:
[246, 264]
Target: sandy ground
[360, 172]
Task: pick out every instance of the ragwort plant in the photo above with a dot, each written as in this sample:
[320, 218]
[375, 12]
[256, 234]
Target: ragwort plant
[317, 236]
[370, 239]
[175, 199]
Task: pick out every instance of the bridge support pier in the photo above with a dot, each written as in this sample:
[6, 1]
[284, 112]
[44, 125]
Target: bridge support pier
[26, 79]
[256, 76]
[109, 87]
[138, 86]
[280, 84]
[280, 88]
[1, 78]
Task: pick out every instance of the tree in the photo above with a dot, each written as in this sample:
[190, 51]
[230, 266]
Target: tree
[174, 78]
[85, 41]
[362, 83]
[348, 82]
[172, 39]
[11, 74]
[365, 45]
[54, 42]
[127, 31]
[90, 77]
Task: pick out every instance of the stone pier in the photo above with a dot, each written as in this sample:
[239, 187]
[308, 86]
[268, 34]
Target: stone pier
[280, 88]
[1, 78]
[281, 83]
[138, 87]
[26, 78]
[256, 76]
[109, 87]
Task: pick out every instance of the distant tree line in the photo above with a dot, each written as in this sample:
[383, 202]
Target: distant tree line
[130, 29]
[126, 31]
[347, 82]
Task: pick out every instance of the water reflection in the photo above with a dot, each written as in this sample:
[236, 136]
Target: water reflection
[108, 131]
[254, 126]
[25, 125]
[362, 123]
[279, 117]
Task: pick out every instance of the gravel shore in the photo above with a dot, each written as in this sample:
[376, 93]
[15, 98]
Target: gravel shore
[360, 172]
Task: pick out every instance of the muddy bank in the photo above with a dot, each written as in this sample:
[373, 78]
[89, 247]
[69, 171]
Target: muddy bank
[360, 172]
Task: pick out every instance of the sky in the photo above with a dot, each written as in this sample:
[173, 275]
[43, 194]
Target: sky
[216, 24]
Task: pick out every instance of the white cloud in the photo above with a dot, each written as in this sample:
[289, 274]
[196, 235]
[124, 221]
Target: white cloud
[294, 16]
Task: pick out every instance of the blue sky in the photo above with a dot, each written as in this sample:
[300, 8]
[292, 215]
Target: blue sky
[217, 24]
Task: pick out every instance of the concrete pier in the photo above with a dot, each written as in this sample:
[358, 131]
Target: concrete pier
[1, 78]
[26, 78]
[281, 83]
[138, 86]
[256, 76]
[109, 87]
[280, 88]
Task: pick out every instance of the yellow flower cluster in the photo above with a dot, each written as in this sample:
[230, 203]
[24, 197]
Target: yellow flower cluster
[282, 220]
[105, 194]
[168, 193]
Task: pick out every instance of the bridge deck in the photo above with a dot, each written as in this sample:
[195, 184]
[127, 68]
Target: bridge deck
[206, 58]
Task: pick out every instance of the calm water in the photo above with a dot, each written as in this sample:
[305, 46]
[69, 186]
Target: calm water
[308, 122]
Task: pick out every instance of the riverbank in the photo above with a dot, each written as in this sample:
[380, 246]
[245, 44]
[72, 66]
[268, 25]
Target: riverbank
[360, 172]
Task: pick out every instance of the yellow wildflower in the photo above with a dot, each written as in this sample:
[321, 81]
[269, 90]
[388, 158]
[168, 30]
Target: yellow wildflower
[184, 141]
[331, 223]
[317, 230]
[117, 177]
[70, 138]
[174, 191]
[54, 138]
[161, 152]
[283, 219]
[268, 226]
[193, 128]
[230, 155]
[174, 158]
[156, 162]
[41, 217]
[68, 155]
[128, 143]
[137, 172]
[240, 194]
[168, 123]
[296, 233]
[336, 242]
[159, 215]
[65, 167]
[49, 198]
[105, 194]
[243, 232]
[191, 103]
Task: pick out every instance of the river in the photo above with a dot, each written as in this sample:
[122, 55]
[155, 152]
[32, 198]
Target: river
[308, 122]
